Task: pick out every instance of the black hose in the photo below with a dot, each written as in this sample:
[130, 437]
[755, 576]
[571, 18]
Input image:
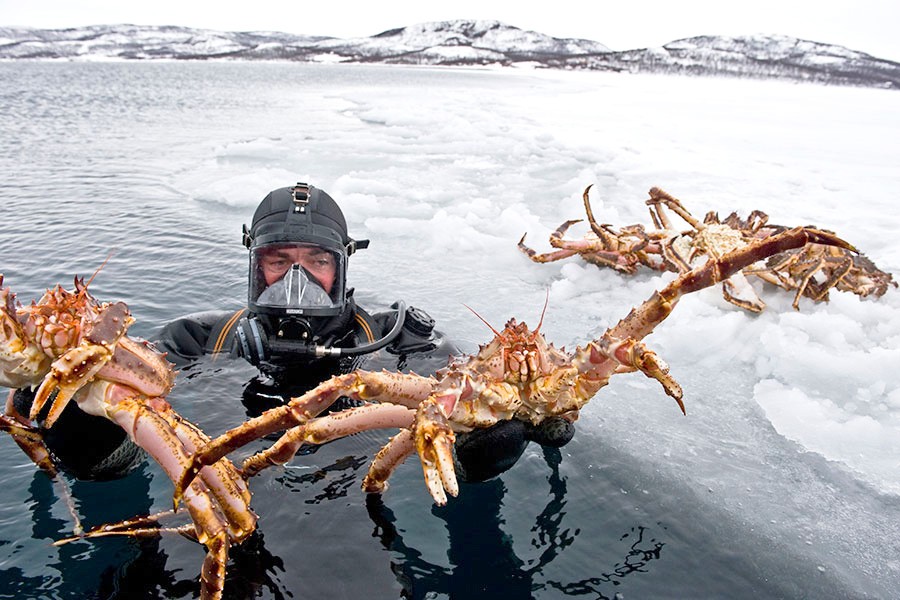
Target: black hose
[370, 347]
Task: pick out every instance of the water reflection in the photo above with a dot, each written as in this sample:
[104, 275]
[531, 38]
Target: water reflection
[341, 477]
[110, 568]
[483, 559]
[484, 563]
[253, 570]
[640, 553]
[120, 568]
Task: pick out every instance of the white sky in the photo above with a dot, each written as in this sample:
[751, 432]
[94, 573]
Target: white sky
[865, 25]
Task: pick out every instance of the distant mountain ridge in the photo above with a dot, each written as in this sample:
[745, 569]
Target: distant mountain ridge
[462, 43]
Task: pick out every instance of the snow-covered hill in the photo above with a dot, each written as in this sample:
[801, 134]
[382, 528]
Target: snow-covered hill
[780, 57]
[462, 42]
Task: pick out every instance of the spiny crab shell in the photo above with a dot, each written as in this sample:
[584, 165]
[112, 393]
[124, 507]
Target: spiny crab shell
[64, 331]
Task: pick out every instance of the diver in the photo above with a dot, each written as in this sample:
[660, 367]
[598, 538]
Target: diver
[302, 325]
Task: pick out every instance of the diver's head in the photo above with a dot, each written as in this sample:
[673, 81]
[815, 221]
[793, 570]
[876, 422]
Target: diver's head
[299, 247]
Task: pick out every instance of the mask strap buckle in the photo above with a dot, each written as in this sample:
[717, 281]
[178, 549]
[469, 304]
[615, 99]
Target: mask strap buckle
[355, 245]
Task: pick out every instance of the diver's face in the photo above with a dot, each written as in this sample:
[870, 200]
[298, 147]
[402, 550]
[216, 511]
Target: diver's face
[318, 261]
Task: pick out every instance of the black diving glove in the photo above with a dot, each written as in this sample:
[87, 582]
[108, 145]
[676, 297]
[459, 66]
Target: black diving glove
[482, 454]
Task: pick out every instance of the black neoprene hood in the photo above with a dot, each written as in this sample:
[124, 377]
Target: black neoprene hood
[300, 213]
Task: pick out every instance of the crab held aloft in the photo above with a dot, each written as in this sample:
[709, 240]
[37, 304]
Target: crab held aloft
[72, 347]
[518, 375]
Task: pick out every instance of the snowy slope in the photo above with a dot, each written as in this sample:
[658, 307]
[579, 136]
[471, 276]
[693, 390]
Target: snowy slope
[463, 42]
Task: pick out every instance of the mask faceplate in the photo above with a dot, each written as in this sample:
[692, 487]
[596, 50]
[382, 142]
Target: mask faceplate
[297, 279]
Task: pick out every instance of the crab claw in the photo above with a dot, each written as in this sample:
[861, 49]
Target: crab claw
[634, 354]
[79, 365]
[434, 443]
[68, 374]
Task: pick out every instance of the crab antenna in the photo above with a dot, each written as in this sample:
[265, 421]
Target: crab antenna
[100, 268]
[544, 311]
[497, 333]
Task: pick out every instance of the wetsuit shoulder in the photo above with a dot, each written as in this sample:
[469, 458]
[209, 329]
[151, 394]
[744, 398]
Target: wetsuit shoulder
[189, 337]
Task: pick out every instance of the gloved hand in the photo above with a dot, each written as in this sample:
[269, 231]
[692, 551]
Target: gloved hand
[554, 432]
[485, 453]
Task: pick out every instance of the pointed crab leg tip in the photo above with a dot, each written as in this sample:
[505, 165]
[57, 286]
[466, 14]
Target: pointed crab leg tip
[67, 540]
[826, 237]
[178, 494]
[522, 240]
[180, 486]
[841, 243]
[681, 406]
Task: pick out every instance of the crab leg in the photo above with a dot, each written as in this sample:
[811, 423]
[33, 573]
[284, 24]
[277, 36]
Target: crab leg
[737, 290]
[126, 529]
[406, 390]
[146, 526]
[217, 501]
[549, 256]
[619, 349]
[222, 479]
[657, 195]
[641, 321]
[595, 251]
[434, 443]
[210, 526]
[31, 442]
[27, 437]
[461, 402]
[657, 214]
[612, 240]
[171, 442]
[388, 458]
[327, 428]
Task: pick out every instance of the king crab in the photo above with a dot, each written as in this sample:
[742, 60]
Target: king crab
[73, 348]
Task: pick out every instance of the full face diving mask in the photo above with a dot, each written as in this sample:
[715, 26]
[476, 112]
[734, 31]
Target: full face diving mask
[298, 287]
[297, 279]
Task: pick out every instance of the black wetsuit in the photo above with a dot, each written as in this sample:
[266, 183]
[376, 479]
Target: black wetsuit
[418, 347]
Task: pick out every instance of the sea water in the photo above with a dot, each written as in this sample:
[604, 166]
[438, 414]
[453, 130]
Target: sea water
[781, 482]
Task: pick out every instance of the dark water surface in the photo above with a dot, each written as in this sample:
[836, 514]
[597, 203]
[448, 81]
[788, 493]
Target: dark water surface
[98, 158]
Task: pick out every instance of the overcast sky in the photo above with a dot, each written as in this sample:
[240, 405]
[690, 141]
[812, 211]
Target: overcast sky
[865, 25]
